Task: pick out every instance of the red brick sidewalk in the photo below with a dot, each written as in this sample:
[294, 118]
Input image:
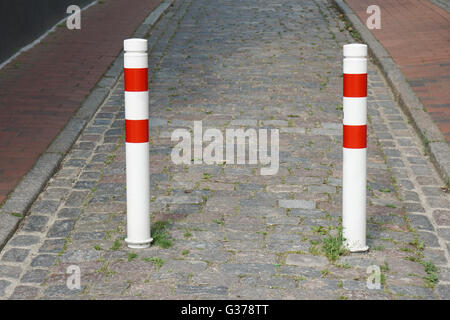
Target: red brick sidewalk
[416, 33]
[42, 88]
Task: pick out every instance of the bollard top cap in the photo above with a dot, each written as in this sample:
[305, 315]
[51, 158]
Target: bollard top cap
[135, 44]
[355, 50]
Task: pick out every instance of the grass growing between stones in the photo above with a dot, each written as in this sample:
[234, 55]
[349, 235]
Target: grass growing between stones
[116, 245]
[104, 269]
[15, 214]
[431, 278]
[333, 247]
[131, 256]
[157, 262]
[160, 234]
[446, 187]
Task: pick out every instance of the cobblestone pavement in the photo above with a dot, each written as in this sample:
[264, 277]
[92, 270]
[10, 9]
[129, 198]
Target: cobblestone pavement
[233, 233]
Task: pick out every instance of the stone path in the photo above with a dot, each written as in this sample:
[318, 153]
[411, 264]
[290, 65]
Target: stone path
[233, 233]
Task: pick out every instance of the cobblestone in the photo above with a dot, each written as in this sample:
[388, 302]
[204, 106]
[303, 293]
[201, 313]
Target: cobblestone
[43, 260]
[7, 271]
[35, 223]
[34, 276]
[15, 255]
[24, 240]
[24, 293]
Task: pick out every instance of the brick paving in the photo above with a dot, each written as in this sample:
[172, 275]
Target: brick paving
[237, 234]
[416, 34]
[42, 88]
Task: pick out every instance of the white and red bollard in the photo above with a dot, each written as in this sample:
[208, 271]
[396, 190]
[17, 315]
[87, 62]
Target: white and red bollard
[354, 147]
[137, 143]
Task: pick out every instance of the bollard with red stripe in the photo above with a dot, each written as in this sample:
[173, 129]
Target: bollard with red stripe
[354, 147]
[137, 143]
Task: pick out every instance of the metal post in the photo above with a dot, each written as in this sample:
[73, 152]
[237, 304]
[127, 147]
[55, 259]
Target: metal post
[137, 143]
[354, 147]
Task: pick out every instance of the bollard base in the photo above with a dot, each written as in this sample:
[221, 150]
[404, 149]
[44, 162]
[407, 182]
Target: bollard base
[139, 244]
[360, 249]
[355, 246]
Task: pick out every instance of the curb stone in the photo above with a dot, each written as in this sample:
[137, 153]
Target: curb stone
[432, 138]
[443, 4]
[20, 200]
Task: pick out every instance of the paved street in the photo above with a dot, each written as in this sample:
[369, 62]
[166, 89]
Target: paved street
[230, 232]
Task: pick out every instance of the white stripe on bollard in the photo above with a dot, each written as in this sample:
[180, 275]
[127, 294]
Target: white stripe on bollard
[354, 147]
[136, 143]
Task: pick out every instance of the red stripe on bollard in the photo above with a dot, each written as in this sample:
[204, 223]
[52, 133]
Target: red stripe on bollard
[136, 79]
[355, 85]
[136, 131]
[355, 137]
